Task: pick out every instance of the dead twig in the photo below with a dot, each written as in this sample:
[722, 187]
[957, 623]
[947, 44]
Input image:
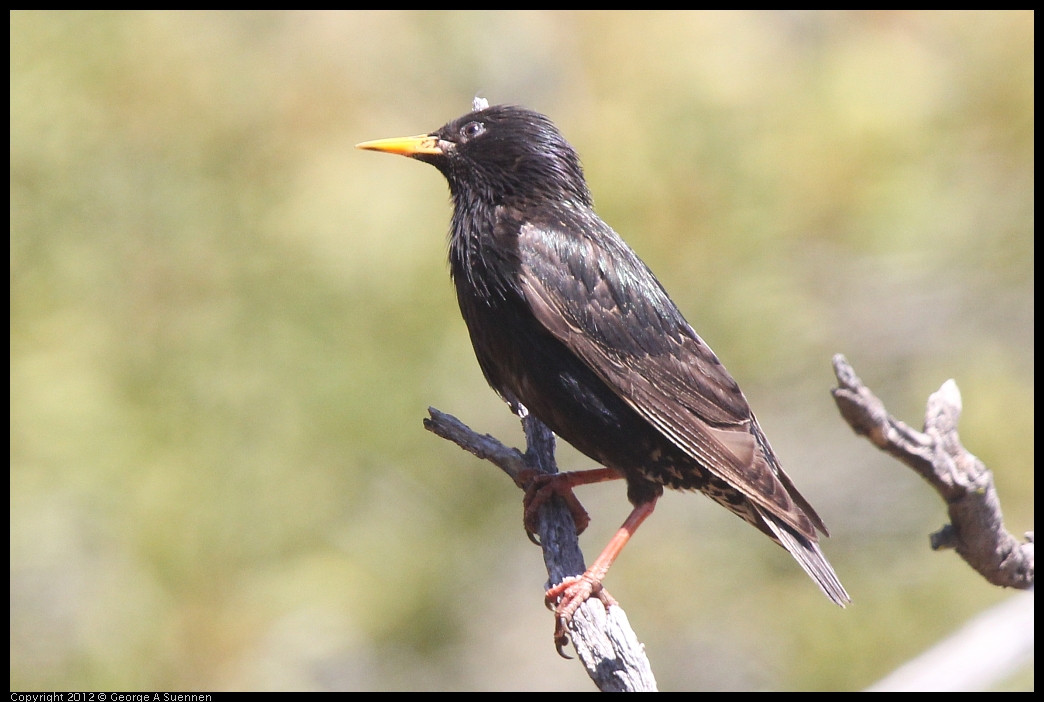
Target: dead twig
[976, 529]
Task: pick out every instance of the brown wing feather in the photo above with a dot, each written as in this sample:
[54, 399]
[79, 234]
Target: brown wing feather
[641, 346]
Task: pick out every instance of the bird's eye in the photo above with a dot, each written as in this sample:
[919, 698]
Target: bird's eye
[472, 130]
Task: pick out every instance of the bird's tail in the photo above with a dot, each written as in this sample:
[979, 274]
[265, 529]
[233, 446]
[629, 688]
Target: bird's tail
[808, 554]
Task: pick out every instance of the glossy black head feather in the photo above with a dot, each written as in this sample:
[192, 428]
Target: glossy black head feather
[506, 154]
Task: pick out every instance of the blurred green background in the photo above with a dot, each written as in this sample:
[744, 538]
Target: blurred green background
[227, 325]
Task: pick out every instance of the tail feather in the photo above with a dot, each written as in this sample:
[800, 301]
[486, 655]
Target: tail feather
[809, 556]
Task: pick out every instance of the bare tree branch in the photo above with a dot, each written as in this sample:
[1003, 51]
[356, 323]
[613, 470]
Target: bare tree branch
[607, 646]
[976, 529]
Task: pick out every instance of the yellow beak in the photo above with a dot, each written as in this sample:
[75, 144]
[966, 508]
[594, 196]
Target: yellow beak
[405, 146]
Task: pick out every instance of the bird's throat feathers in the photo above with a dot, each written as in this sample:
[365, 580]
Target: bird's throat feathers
[480, 265]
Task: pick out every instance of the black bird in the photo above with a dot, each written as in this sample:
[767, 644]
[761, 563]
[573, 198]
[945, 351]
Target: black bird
[568, 321]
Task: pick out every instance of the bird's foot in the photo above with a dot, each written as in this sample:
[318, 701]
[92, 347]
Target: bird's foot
[539, 488]
[567, 596]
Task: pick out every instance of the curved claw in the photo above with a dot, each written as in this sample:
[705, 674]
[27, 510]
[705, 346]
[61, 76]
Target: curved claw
[562, 640]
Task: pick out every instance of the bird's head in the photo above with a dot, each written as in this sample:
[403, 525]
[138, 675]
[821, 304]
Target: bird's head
[502, 154]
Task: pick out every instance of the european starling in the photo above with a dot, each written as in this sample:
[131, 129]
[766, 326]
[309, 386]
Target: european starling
[567, 321]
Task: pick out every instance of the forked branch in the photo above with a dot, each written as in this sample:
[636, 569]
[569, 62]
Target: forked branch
[976, 529]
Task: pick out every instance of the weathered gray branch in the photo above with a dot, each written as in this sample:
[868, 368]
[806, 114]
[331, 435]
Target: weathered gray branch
[603, 639]
[976, 529]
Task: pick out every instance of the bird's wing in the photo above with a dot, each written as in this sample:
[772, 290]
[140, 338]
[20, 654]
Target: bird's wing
[587, 287]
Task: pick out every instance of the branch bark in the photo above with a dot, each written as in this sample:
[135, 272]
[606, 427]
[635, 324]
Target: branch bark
[604, 641]
[976, 529]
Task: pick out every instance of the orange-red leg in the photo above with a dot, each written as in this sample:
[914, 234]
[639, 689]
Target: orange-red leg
[540, 487]
[575, 590]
